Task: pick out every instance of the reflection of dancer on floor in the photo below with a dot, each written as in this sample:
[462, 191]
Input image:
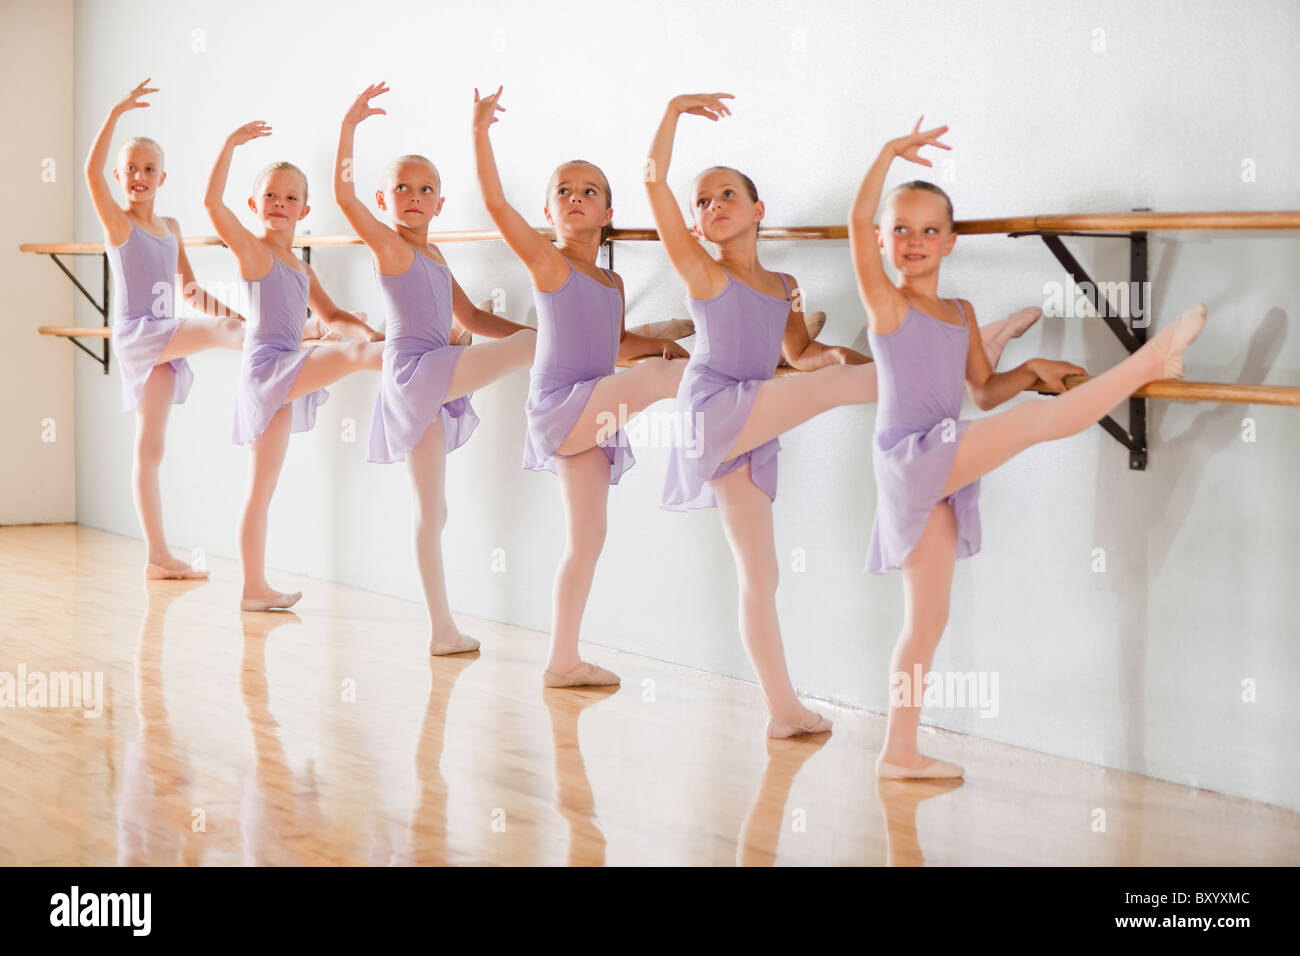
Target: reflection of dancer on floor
[280, 384]
[900, 800]
[761, 831]
[427, 832]
[147, 259]
[155, 822]
[423, 410]
[574, 798]
[576, 405]
[927, 463]
[280, 817]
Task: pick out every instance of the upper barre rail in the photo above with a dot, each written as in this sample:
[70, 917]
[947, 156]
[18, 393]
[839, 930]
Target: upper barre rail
[1019, 225]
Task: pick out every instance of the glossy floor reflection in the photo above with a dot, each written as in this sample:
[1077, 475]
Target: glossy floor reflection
[327, 736]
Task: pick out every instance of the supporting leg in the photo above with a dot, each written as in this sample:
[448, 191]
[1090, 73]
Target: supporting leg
[150, 435]
[927, 584]
[427, 465]
[747, 521]
[266, 460]
[584, 483]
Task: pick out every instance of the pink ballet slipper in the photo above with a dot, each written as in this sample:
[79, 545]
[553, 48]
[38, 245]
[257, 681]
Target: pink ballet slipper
[278, 600]
[462, 645]
[1180, 334]
[584, 675]
[814, 723]
[935, 770]
[156, 572]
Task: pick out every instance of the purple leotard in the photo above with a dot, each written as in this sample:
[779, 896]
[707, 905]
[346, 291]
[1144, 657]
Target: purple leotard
[922, 369]
[738, 336]
[578, 329]
[273, 355]
[418, 364]
[143, 314]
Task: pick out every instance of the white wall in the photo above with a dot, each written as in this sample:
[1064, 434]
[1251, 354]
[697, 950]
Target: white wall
[42, 174]
[1139, 667]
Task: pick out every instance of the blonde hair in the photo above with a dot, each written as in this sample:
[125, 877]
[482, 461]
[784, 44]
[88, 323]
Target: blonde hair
[390, 172]
[282, 165]
[142, 142]
[921, 186]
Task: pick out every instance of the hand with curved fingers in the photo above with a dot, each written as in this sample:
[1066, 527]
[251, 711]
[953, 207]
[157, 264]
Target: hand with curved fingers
[361, 108]
[132, 100]
[1053, 372]
[486, 108]
[708, 105]
[906, 147]
[248, 132]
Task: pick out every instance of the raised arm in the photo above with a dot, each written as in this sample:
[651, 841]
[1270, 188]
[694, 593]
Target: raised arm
[111, 217]
[543, 262]
[254, 259]
[885, 304]
[391, 252]
[695, 266]
[345, 323]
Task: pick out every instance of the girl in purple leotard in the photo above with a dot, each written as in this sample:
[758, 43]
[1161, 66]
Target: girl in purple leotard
[927, 462]
[573, 390]
[732, 407]
[279, 384]
[423, 410]
[147, 259]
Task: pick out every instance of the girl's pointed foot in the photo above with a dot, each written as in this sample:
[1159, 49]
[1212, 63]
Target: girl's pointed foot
[923, 768]
[584, 675]
[812, 723]
[1173, 340]
[1017, 323]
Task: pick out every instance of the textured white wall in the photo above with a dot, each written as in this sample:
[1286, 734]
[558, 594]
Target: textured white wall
[41, 174]
[1139, 667]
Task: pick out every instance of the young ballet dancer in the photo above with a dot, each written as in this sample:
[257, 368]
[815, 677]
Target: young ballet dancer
[572, 387]
[147, 259]
[732, 408]
[423, 409]
[280, 384]
[928, 463]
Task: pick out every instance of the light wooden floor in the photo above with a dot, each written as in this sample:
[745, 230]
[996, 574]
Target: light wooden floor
[329, 737]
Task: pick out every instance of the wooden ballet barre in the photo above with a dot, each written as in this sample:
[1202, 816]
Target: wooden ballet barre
[1087, 222]
[92, 332]
[1177, 390]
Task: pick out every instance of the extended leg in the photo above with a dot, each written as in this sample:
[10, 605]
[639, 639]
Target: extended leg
[747, 521]
[427, 464]
[785, 402]
[266, 460]
[617, 397]
[331, 362]
[199, 335]
[990, 442]
[483, 364]
[584, 482]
